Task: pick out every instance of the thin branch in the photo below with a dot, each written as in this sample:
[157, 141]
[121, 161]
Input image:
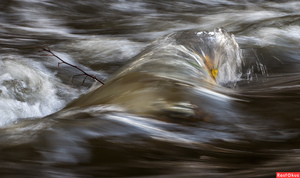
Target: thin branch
[48, 50]
[58, 64]
[84, 80]
[72, 79]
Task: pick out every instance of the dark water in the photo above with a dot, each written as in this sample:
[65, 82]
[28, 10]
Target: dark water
[159, 113]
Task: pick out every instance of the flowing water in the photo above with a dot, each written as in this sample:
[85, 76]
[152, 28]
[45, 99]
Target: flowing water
[160, 113]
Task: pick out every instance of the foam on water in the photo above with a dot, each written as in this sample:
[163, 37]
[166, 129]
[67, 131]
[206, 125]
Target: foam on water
[45, 24]
[289, 35]
[230, 58]
[105, 49]
[127, 6]
[226, 54]
[191, 129]
[25, 91]
[292, 6]
[237, 18]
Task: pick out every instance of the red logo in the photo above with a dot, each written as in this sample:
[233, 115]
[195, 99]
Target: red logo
[287, 174]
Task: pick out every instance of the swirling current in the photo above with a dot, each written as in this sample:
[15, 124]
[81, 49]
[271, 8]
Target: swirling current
[192, 88]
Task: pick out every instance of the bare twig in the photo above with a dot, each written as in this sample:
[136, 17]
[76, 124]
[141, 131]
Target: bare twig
[72, 79]
[48, 50]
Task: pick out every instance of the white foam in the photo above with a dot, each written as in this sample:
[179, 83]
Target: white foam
[38, 20]
[272, 36]
[293, 6]
[216, 2]
[25, 92]
[230, 58]
[127, 6]
[231, 19]
[106, 49]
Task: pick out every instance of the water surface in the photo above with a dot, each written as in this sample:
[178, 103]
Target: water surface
[160, 113]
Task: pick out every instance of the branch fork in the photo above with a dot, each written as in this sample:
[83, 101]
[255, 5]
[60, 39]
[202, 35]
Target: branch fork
[50, 53]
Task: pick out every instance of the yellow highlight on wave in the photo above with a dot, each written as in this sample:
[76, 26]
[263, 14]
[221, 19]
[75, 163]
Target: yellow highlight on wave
[214, 73]
[210, 66]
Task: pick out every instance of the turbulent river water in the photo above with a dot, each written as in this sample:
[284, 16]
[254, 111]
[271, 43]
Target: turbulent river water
[160, 112]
